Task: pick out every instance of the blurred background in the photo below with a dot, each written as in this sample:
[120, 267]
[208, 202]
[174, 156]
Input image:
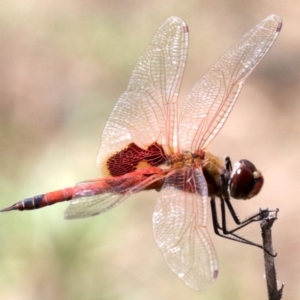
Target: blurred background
[63, 65]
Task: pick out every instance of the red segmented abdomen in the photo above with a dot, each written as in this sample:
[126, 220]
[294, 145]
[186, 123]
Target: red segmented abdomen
[114, 185]
[43, 200]
[81, 190]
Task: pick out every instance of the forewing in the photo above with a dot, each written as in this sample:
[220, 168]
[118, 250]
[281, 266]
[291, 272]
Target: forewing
[210, 101]
[91, 198]
[146, 112]
[179, 223]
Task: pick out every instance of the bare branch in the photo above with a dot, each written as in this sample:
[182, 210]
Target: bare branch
[270, 216]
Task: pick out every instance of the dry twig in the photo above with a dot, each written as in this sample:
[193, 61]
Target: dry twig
[266, 224]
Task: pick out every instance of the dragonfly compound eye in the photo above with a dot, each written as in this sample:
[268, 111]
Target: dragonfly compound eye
[245, 180]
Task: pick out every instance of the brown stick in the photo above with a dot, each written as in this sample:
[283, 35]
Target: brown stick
[266, 233]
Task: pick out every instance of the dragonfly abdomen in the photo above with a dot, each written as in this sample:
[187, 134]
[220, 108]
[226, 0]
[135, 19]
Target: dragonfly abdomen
[42, 200]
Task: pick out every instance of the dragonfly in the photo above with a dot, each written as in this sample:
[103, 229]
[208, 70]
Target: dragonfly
[148, 144]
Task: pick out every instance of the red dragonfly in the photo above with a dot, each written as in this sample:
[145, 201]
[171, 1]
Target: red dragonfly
[145, 146]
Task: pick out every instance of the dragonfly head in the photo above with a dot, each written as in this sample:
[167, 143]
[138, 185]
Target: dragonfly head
[245, 180]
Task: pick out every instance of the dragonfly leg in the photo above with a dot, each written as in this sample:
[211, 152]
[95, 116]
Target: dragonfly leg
[256, 217]
[228, 164]
[222, 231]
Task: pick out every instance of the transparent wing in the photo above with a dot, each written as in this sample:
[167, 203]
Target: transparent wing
[179, 223]
[91, 198]
[93, 205]
[146, 112]
[210, 101]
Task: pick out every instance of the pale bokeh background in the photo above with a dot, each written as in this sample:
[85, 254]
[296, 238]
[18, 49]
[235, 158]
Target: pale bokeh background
[63, 65]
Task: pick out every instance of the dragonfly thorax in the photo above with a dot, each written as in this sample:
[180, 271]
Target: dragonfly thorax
[187, 159]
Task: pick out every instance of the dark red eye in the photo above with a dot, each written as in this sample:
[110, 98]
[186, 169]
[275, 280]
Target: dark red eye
[245, 180]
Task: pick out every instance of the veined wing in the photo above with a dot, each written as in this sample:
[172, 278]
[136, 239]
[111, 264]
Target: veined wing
[179, 223]
[210, 101]
[94, 197]
[147, 111]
